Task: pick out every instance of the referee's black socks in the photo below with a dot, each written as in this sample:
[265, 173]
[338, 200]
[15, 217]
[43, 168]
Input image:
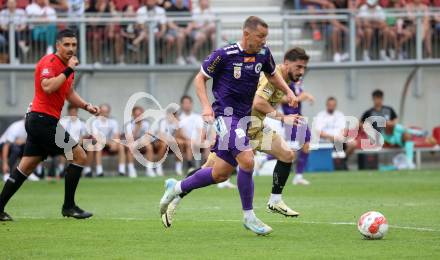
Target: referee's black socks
[280, 176]
[73, 174]
[14, 182]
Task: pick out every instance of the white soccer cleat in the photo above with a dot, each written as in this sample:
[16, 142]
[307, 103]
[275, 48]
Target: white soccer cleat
[299, 180]
[33, 177]
[159, 171]
[281, 208]
[257, 226]
[149, 172]
[168, 195]
[132, 174]
[167, 217]
[5, 177]
[226, 185]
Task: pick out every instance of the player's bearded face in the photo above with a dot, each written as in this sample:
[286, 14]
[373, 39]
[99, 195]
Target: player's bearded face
[296, 69]
[67, 47]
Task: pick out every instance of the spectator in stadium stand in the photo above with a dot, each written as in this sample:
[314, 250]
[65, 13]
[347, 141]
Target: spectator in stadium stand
[75, 9]
[339, 29]
[311, 6]
[18, 17]
[201, 29]
[372, 17]
[60, 6]
[47, 31]
[177, 30]
[410, 26]
[131, 32]
[104, 32]
[436, 4]
[150, 10]
[331, 125]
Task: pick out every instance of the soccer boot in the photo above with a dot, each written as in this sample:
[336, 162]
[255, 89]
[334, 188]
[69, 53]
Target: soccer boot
[257, 226]
[168, 195]
[75, 212]
[168, 216]
[281, 208]
[5, 216]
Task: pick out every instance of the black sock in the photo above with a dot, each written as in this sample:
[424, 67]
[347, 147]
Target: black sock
[189, 164]
[73, 174]
[11, 186]
[280, 176]
[183, 194]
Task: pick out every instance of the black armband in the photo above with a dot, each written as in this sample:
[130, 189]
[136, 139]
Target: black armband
[68, 71]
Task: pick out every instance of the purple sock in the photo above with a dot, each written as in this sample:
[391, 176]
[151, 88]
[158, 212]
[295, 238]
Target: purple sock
[270, 157]
[199, 179]
[302, 161]
[245, 185]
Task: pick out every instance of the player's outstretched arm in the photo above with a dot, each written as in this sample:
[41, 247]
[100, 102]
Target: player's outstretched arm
[277, 81]
[200, 83]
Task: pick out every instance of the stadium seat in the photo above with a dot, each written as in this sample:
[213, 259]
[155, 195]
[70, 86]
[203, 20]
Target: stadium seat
[436, 134]
[420, 141]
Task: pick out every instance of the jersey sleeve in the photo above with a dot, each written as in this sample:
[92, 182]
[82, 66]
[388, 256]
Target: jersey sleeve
[265, 89]
[269, 66]
[47, 70]
[213, 63]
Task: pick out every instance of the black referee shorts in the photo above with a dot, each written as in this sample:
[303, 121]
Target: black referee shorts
[41, 136]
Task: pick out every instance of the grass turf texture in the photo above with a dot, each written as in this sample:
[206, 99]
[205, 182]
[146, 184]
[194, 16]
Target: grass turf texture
[208, 224]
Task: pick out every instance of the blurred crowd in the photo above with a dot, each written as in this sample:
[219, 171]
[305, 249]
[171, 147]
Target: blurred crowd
[376, 27]
[111, 42]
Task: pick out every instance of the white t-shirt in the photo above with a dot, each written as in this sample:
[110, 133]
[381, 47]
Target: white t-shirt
[18, 17]
[331, 124]
[157, 14]
[137, 130]
[108, 127]
[35, 11]
[75, 127]
[191, 125]
[75, 8]
[376, 13]
[202, 17]
[166, 126]
[16, 131]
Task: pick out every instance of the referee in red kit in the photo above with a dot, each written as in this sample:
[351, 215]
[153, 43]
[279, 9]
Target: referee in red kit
[54, 75]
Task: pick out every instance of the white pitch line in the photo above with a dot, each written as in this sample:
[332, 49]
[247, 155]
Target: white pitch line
[235, 220]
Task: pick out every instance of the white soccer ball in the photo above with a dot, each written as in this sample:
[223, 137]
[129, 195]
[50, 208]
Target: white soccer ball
[373, 225]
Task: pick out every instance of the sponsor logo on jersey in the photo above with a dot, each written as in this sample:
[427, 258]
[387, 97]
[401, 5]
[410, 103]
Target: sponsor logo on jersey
[213, 65]
[249, 59]
[249, 67]
[237, 64]
[45, 72]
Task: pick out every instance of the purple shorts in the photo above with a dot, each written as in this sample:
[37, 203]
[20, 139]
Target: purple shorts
[233, 142]
[300, 134]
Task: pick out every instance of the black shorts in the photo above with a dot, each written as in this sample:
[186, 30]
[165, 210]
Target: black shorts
[41, 140]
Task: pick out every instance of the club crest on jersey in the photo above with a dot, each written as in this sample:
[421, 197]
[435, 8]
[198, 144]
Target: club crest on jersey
[237, 72]
[258, 68]
[45, 72]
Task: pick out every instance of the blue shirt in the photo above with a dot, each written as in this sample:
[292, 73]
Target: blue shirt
[235, 76]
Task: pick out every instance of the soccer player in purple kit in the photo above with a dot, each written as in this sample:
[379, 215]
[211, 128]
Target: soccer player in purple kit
[299, 133]
[235, 70]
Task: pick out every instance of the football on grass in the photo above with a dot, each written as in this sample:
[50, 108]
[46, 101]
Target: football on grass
[373, 225]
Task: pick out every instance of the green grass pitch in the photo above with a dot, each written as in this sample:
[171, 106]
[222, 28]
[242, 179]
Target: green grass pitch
[208, 224]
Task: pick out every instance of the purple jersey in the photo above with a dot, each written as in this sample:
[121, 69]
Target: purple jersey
[297, 89]
[235, 76]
